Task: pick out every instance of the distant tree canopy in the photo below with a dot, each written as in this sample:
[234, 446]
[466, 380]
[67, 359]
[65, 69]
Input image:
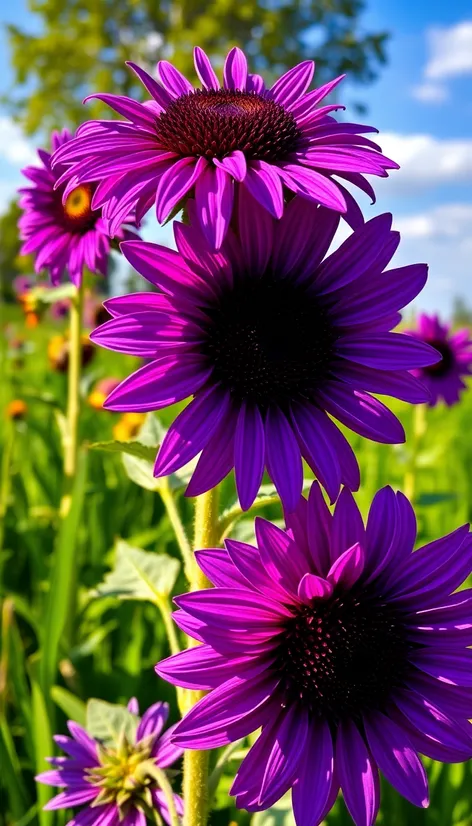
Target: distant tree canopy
[80, 46]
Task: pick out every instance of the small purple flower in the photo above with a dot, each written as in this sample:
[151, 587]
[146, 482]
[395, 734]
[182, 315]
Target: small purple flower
[348, 649]
[61, 229]
[114, 784]
[186, 140]
[444, 379]
[23, 283]
[269, 336]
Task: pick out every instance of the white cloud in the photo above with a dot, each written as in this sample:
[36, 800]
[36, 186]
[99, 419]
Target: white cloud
[429, 92]
[426, 161]
[14, 147]
[441, 223]
[450, 50]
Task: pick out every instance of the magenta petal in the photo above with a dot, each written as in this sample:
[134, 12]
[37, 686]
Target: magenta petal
[293, 84]
[235, 70]
[244, 609]
[314, 587]
[173, 80]
[249, 454]
[319, 526]
[309, 183]
[282, 761]
[235, 164]
[214, 202]
[396, 758]
[347, 525]
[218, 566]
[263, 182]
[256, 231]
[176, 182]
[348, 567]
[157, 92]
[216, 459]
[358, 775]
[152, 721]
[164, 381]
[205, 70]
[69, 798]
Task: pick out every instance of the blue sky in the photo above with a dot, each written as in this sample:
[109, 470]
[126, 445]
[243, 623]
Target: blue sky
[422, 105]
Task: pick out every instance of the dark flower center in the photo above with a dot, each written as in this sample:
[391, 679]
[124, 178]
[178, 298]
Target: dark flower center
[270, 341]
[213, 123]
[76, 213]
[343, 656]
[443, 367]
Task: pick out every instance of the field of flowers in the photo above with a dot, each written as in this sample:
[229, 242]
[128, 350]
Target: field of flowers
[255, 440]
[82, 608]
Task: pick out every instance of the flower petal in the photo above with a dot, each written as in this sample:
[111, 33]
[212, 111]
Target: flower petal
[358, 775]
[396, 758]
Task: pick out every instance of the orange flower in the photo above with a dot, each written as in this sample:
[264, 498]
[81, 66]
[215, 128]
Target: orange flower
[101, 391]
[128, 426]
[16, 409]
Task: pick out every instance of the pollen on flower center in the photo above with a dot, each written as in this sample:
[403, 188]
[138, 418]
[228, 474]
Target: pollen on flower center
[77, 208]
[269, 341]
[343, 656]
[444, 366]
[214, 123]
[125, 774]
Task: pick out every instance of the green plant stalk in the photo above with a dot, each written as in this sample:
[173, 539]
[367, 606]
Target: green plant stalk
[164, 784]
[73, 398]
[175, 520]
[5, 485]
[419, 429]
[196, 763]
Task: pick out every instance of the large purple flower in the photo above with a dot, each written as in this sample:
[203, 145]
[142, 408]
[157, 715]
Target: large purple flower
[269, 336]
[349, 650]
[114, 784]
[444, 379]
[64, 232]
[186, 140]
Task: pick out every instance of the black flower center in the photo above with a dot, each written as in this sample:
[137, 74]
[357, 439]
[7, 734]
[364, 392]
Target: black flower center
[270, 341]
[76, 212]
[343, 656]
[443, 367]
[213, 123]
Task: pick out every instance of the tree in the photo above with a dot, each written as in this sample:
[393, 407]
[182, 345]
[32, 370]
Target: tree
[83, 45]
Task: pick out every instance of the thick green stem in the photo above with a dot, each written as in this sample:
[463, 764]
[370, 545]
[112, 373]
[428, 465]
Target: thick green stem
[73, 398]
[419, 429]
[196, 763]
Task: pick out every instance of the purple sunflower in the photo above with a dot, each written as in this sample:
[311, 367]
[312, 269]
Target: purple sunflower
[114, 784]
[269, 336]
[185, 140]
[61, 229]
[348, 649]
[444, 380]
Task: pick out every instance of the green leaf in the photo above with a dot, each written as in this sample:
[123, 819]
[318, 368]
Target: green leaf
[72, 706]
[135, 449]
[11, 777]
[140, 575]
[58, 604]
[106, 722]
[280, 814]
[435, 498]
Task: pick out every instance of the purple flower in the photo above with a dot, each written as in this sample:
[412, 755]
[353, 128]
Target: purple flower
[269, 336]
[61, 228]
[186, 140]
[114, 784]
[349, 650]
[444, 379]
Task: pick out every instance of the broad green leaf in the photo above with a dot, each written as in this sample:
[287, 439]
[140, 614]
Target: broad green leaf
[58, 604]
[135, 449]
[140, 574]
[280, 814]
[106, 722]
[72, 706]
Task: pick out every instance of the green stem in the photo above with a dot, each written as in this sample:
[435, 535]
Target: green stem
[196, 763]
[177, 524]
[217, 772]
[5, 484]
[164, 607]
[73, 398]
[164, 784]
[419, 429]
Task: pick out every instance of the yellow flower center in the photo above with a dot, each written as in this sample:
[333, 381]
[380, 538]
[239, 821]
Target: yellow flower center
[125, 775]
[78, 204]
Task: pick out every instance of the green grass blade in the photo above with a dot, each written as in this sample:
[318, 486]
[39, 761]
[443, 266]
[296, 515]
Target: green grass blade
[11, 776]
[71, 705]
[43, 747]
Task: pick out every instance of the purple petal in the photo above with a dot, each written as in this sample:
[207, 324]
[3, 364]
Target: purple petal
[157, 92]
[308, 183]
[256, 572]
[348, 567]
[387, 351]
[203, 668]
[216, 459]
[311, 791]
[358, 775]
[356, 255]
[314, 587]
[205, 70]
[361, 413]
[448, 666]
[153, 721]
[176, 182]
[303, 237]
[249, 454]
[396, 758]
[233, 608]
[234, 164]
[283, 458]
[263, 182]
[319, 524]
[217, 565]
[164, 751]
[281, 558]
[66, 800]
[293, 84]
[214, 202]
[130, 109]
[256, 231]
[285, 754]
[347, 526]
[235, 70]
[165, 269]
[433, 723]
[173, 80]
